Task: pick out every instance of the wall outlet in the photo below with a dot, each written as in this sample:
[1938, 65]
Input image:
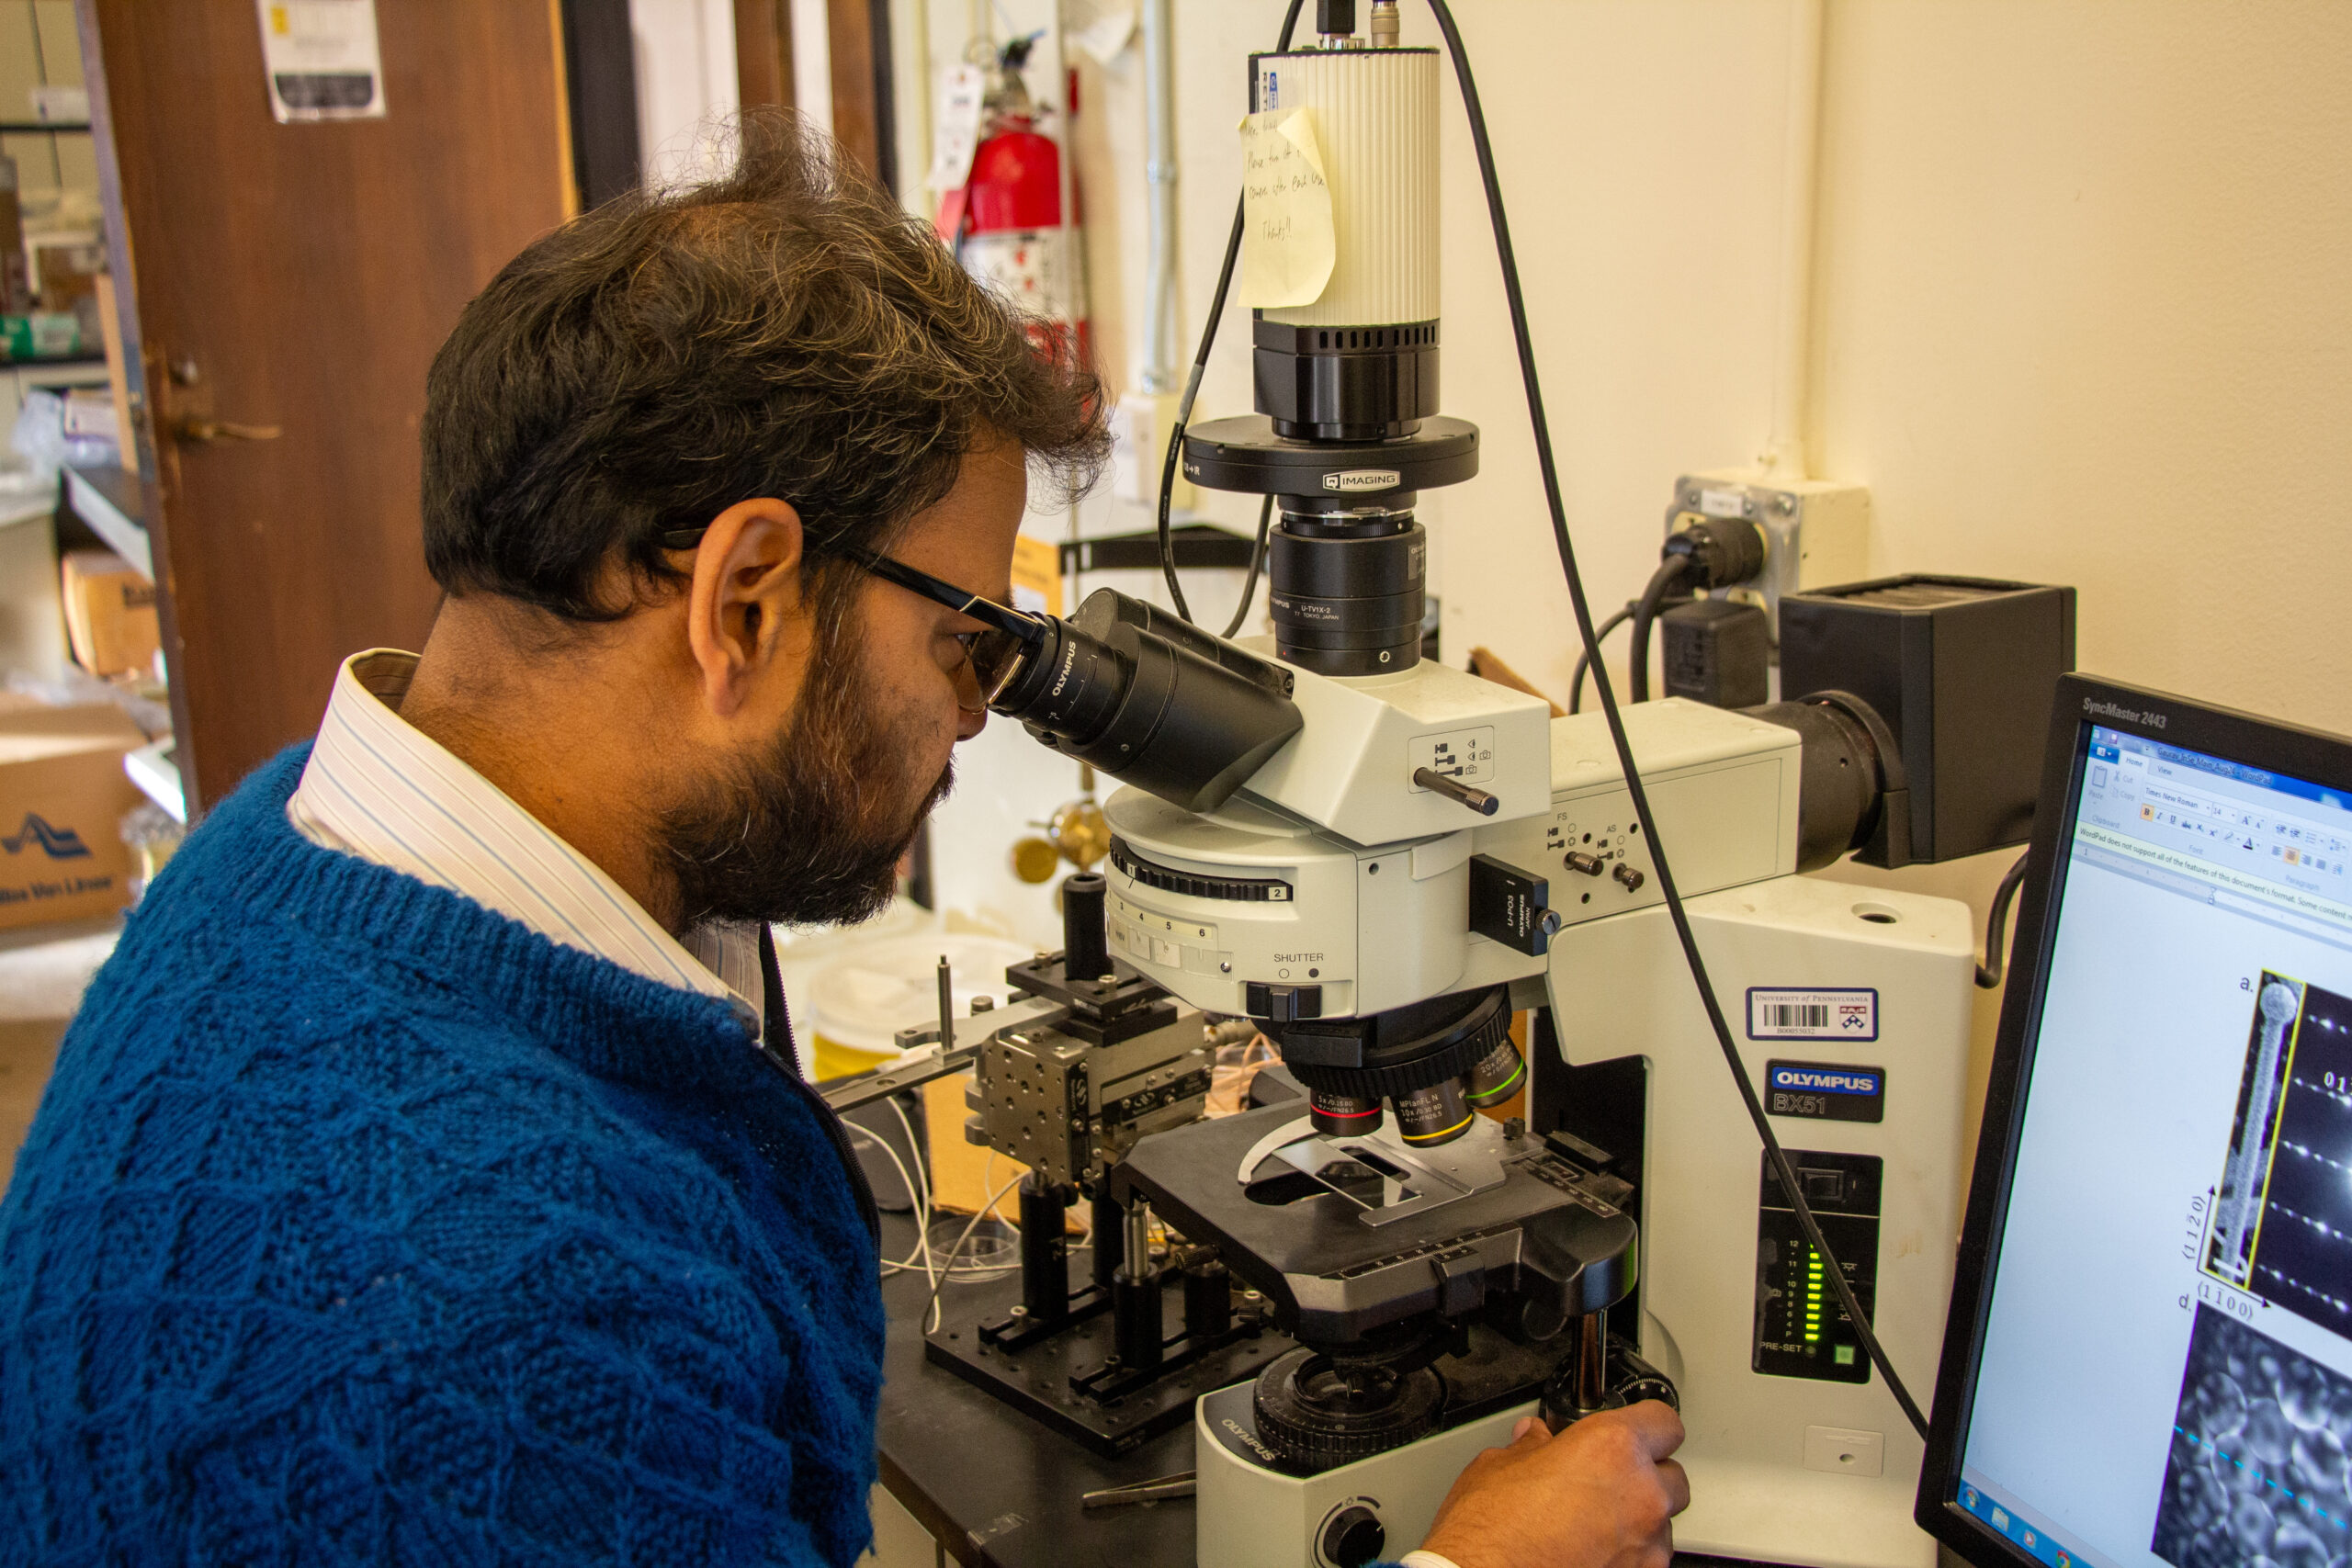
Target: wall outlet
[1816, 532]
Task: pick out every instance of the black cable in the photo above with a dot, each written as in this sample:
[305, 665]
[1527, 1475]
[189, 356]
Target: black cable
[1584, 660]
[1997, 924]
[1257, 564]
[1549, 469]
[1669, 572]
[1193, 382]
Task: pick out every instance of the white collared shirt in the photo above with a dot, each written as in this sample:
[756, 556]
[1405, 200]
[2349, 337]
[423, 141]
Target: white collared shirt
[379, 788]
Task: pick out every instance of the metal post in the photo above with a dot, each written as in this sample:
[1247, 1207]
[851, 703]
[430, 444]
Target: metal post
[1045, 1250]
[1110, 1232]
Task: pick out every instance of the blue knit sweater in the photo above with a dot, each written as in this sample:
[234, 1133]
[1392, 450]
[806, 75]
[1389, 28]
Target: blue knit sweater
[360, 1223]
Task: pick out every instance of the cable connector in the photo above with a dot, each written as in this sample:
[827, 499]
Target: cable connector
[1722, 551]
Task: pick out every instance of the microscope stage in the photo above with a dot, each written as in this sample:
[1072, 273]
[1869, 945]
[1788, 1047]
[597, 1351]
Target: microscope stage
[1549, 1232]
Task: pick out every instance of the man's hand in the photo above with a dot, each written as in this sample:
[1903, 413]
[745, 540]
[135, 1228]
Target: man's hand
[1599, 1496]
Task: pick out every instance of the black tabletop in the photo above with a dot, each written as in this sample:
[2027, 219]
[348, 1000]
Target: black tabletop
[1000, 1490]
[995, 1487]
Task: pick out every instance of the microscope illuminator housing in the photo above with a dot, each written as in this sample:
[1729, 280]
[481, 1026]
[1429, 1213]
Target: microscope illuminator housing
[1369, 940]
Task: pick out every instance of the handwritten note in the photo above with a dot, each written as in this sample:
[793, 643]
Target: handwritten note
[1287, 244]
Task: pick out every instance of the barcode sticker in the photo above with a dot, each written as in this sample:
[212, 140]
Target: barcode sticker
[1779, 1014]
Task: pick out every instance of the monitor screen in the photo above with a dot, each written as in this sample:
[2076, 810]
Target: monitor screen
[2165, 1366]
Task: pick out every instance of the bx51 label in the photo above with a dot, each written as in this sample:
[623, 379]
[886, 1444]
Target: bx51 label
[1825, 1091]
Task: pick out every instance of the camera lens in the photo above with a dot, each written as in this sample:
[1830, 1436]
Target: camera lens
[1346, 592]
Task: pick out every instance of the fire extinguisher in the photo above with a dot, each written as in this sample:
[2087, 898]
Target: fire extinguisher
[1005, 222]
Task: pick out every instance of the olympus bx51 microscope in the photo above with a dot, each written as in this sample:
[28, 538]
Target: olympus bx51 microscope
[1381, 860]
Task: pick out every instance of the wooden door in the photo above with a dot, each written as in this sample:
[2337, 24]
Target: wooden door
[299, 278]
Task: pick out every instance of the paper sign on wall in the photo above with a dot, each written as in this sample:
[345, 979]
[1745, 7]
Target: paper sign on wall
[1287, 241]
[1036, 575]
[321, 60]
[956, 126]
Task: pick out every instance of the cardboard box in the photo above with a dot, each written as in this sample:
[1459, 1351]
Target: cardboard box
[109, 613]
[118, 383]
[65, 272]
[62, 797]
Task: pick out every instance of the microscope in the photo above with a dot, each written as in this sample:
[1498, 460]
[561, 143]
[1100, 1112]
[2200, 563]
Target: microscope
[1380, 862]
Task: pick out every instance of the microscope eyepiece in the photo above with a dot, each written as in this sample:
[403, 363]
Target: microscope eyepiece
[1151, 700]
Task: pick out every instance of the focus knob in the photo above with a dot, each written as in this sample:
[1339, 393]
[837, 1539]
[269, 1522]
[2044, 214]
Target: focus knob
[1353, 1536]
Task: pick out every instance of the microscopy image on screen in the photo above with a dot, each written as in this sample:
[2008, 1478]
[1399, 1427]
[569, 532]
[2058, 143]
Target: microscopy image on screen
[2237, 1217]
[2283, 1219]
[2256, 1473]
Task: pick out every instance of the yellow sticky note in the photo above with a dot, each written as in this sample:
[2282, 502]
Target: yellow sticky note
[1287, 241]
[1036, 575]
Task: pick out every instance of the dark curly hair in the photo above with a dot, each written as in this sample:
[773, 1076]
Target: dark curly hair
[785, 330]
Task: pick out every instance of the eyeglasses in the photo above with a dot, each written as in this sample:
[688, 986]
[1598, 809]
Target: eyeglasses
[992, 656]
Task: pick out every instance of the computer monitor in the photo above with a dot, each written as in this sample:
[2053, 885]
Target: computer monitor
[2149, 1355]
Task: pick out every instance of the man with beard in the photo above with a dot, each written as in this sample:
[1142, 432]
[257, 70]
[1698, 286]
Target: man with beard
[427, 1175]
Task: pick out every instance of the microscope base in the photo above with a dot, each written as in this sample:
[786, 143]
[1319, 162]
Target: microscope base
[1035, 1380]
[1254, 1516]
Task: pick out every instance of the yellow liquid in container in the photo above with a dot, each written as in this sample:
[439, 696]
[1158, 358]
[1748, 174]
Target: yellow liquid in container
[865, 991]
[829, 1059]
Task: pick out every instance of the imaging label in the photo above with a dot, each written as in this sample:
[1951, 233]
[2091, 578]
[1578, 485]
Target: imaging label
[1825, 1091]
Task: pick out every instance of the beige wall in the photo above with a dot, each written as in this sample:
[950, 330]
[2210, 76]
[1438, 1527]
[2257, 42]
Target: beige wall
[2086, 317]
[2083, 309]
[2082, 313]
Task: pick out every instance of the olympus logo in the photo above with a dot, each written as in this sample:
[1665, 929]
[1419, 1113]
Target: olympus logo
[2105, 709]
[1070, 658]
[1818, 1078]
[1363, 479]
[1249, 1441]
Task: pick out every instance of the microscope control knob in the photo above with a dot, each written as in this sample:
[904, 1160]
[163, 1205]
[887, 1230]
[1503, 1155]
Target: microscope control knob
[1629, 876]
[1583, 861]
[1353, 1536]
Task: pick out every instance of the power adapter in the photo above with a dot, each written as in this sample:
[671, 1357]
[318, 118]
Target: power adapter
[1717, 652]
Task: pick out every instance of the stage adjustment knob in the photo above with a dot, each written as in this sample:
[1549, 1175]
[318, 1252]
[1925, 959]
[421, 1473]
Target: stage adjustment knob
[1353, 1536]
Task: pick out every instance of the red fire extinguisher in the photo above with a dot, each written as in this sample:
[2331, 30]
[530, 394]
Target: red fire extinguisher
[1005, 222]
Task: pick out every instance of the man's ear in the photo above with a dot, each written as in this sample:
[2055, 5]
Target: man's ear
[745, 617]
